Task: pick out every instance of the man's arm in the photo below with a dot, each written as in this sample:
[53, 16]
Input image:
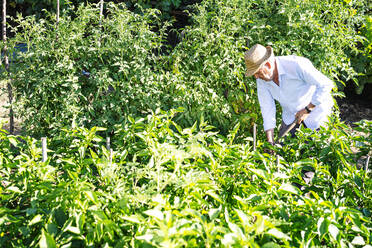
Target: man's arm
[312, 76]
[323, 85]
[304, 113]
[268, 110]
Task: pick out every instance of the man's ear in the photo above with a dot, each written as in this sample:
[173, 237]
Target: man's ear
[268, 64]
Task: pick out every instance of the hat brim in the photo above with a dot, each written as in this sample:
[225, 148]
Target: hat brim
[269, 53]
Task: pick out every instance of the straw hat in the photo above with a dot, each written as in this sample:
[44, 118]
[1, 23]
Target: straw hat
[255, 57]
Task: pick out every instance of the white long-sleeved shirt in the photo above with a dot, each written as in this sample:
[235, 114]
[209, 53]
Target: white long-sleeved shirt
[300, 83]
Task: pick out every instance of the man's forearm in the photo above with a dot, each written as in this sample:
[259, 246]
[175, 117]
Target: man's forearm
[304, 113]
[270, 135]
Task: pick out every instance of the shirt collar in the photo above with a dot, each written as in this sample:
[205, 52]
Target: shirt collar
[280, 67]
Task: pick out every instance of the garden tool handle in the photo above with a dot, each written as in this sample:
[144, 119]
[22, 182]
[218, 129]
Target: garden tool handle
[287, 130]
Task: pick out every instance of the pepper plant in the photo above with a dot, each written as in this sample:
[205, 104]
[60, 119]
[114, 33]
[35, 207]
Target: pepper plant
[165, 185]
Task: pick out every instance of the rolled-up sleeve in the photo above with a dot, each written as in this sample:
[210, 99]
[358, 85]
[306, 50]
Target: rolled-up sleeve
[311, 75]
[267, 105]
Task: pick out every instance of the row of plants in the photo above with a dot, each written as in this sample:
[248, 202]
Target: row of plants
[168, 186]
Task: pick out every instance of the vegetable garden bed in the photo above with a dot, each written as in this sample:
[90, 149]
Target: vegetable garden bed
[189, 177]
[165, 186]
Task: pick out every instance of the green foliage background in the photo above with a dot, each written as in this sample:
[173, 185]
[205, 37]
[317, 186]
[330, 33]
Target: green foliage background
[32, 7]
[133, 71]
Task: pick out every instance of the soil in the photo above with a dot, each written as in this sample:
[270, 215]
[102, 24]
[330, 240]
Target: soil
[354, 107]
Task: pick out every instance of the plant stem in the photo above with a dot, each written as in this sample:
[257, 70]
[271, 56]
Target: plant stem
[57, 12]
[57, 20]
[6, 60]
[101, 12]
[254, 136]
[366, 165]
[44, 148]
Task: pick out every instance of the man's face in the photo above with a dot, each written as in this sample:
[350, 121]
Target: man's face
[265, 72]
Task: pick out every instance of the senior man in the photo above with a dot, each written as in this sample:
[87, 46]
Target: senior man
[303, 92]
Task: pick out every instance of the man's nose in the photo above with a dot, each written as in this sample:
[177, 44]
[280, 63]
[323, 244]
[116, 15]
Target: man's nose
[256, 75]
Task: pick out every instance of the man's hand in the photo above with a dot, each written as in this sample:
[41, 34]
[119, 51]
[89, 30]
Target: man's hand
[301, 115]
[270, 140]
[270, 135]
[304, 113]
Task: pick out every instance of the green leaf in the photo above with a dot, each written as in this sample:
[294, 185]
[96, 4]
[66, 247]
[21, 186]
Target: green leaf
[214, 196]
[46, 240]
[271, 245]
[334, 231]
[91, 196]
[213, 213]
[289, 188]
[36, 219]
[358, 181]
[13, 141]
[156, 213]
[73, 229]
[261, 173]
[52, 229]
[358, 240]
[322, 227]
[278, 234]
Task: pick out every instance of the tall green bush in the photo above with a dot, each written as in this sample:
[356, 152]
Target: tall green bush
[86, 72]
[363, 62]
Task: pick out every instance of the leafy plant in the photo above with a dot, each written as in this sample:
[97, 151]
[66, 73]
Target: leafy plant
[69, 83]
[166, 185]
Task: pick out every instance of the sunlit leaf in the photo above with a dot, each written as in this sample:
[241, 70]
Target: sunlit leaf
[229, 239]
[278, 234]
[46, 240]
[156, 213]
[214, 212]
[358, 240]
[36, 219]
[289, 188]
[322, 226]
[133, 218]
[271, 245]
[334, 231]
[73, 229]
[14, 189]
